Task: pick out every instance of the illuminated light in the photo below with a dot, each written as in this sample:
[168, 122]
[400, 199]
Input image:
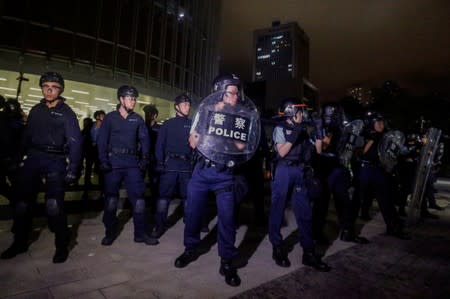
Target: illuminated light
[111, 104]
[3, 79]
[92, 107]
[258, 73]
[141, 102]
[79, 91]
[80, 102]
[273, 51]
[7, 88]
[290, 65]
[273, 43]
[34, 96]
[31, 101]
[11, 95]
[35, 89]
[264, 56]
[272, 63]
[259, 49]
[69, 98]
[278, 37]
[102, 100]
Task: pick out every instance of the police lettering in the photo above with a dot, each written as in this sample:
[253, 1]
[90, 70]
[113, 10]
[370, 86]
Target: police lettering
[228, 133]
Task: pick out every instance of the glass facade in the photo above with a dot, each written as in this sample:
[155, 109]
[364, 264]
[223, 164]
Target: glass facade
[162, 47]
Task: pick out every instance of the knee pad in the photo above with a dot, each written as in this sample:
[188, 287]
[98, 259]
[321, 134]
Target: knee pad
[112, 203]
[21, 207]
[52, 207]
[139, 207]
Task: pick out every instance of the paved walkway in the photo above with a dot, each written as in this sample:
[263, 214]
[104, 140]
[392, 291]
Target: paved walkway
[385, 268]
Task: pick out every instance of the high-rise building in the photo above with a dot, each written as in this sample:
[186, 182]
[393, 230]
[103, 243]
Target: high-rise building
[282, 52]
[281, 59]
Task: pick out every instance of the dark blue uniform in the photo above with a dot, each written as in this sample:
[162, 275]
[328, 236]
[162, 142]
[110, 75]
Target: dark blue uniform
[121, 142]
[51, 136]
[373, 179]
[289, 181]
[335, 180]
[174, 160]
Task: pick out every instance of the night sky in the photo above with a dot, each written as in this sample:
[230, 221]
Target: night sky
[351, 41]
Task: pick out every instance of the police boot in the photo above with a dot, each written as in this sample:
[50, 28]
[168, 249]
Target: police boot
[61, 255]
[15, 249]
[313, 260]
[229, 271]
[349, 236]
[146, 239]
[280, 256]
[186, 258]
[158, 231]
[398, 232]
[110, 237]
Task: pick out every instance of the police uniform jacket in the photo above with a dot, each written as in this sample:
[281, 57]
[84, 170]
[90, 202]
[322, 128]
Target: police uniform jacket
[122, 142]
[172, 145]
[54, 131]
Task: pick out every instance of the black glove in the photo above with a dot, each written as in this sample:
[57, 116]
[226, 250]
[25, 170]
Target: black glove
[105, 167]
[295, 132]
[143, 164]
[71, 177]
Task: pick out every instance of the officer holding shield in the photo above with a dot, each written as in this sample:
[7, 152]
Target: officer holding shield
[373, 178]
[222, 136]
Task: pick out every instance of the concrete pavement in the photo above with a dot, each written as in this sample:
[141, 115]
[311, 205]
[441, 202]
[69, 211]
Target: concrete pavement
[386, 268]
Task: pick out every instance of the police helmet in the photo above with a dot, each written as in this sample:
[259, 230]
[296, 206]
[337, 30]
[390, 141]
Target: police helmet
[182, 98]
[98, 112]
[151, 109]
[332, 114]
[52, 77]
[127, 90]
[289, 108]
[221, 82]
[371, 118]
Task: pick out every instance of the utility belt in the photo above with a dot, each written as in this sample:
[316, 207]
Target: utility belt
[369, 164]
[206, 163]
[290, 163]
[123, 151]
[184, 157]
[49, 149]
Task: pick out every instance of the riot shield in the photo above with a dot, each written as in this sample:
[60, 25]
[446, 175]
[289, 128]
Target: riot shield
[426, 161]
[349, 141]
[389, 148]
[228, 134]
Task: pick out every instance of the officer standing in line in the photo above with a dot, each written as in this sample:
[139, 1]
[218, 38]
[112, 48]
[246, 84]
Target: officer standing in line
[374, 179]
[335, 178]
[218, 178]
[290, 138]
[99, 115]
[123, 148]
[173, 158]
[11, 130]
[52, 135]
[151, 114]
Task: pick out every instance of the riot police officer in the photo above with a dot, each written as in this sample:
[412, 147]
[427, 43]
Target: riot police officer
[373, 179]
[123, 149]
[11, 130]
[46, 153]
[209, 176]
[151, 115]
[335, 178]
[290, 144]
[173, 158]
